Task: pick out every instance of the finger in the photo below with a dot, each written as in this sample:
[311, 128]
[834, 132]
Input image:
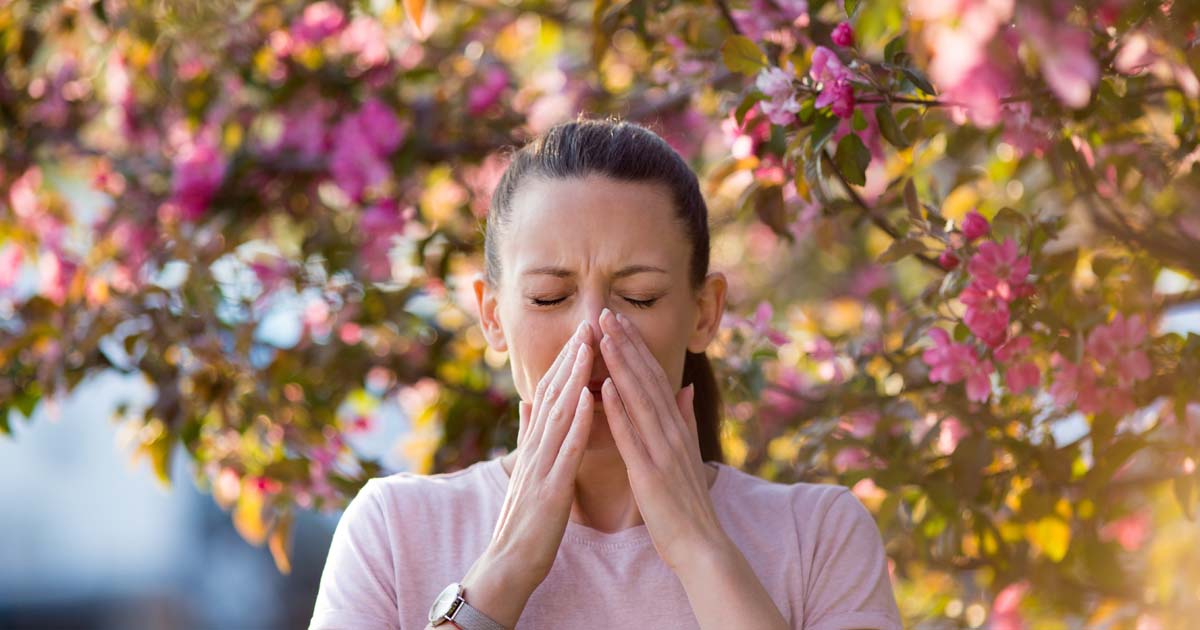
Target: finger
[550, 386]
[570, 454]
[640, 366]
[564, 355]
[654, 379]
[523, 409]
[639, 404]
[686, 398]
[633, 451]
[653, 369]
[557, 420]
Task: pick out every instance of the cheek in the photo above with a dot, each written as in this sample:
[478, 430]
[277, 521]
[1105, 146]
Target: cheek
[532, 355]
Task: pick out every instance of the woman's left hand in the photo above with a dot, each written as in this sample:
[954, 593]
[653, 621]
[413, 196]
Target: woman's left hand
[654, 428]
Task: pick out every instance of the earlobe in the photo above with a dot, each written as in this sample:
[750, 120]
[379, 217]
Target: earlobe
[489, 318]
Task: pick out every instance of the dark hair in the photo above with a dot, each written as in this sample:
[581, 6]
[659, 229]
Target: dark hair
[625, 151]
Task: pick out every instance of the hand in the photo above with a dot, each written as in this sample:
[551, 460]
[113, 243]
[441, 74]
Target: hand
[654, 428]
[551, 440]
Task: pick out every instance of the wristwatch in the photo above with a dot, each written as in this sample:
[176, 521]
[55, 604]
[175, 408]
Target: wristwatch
[450, 606]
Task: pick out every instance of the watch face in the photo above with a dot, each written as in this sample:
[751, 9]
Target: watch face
[444, 601]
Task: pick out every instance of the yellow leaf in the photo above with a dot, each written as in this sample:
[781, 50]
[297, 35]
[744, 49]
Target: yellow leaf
[247, 517]
[416, 11]
[1051, 536]
[280, 541]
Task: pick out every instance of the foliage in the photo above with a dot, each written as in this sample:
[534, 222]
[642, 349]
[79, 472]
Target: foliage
[989, 204]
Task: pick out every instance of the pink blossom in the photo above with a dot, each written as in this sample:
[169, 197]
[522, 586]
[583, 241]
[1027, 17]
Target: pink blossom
[768, 15]
[952, 362]
[860, 423]
[1064, 52]
[1080, 383]
[381, 125]
[1021, 373]
[843, 34]
[948, 260]
[199, 169]
[841, 98]
[783, 400]
[55, 274]
[987, 315]
[776, 82]
[781, 112]
[487, 93]
[1119, 345]
[10, 265]
[826, 66]
[975, 226]
[319, 20]
[1129, 531]
[950, 433]
[380, 224]
[851, 458]
[1006, 614]
[366, 39]
[305, 130]
[362, 142]
[998, 267]
[745, 139]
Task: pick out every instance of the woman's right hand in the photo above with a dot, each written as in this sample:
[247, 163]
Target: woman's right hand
[551, 440]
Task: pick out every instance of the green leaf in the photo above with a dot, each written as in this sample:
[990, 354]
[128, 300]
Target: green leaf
[1183, 493]
[889, 128]
[858, 122]
[5, 428]
[823, 128]
[742, 55]
[954, 282]
[919, 80]
[851, 8]
[753, 97]
[895, 47]
[852, 159]
[911, 202]
[1008, 223]
[961, 332]
[901, 248]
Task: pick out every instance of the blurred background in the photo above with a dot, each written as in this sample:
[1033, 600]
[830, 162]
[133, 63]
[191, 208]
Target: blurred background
[237, 240]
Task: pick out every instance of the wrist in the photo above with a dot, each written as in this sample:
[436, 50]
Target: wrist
[714, 554]
[495, 588]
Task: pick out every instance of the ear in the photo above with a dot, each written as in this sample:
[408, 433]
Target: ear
[489, 314]
[710, 304]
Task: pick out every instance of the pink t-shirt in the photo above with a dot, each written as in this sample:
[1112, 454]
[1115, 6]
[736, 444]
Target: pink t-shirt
[404, 537]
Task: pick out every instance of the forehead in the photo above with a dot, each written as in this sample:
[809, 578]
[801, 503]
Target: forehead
[594, 221]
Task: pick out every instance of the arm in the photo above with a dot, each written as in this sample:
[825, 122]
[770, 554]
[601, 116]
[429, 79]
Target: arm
[496, 587]
[357, 586]
[725, 592]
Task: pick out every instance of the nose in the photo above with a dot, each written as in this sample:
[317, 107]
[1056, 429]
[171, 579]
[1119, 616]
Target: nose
[592, 308]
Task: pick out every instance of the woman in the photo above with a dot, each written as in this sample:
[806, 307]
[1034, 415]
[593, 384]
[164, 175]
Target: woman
[616, 509]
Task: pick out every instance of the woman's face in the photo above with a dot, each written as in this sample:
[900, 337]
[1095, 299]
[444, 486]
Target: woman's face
[576, 246]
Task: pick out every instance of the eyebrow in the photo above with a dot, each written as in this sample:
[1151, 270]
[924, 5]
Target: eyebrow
[560, 272]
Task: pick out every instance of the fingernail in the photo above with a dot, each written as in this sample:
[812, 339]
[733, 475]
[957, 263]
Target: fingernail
[579, 330]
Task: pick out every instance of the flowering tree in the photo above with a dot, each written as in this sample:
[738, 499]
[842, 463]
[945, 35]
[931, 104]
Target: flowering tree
[989, 203]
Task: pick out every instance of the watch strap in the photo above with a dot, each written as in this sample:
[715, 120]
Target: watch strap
[468, 617]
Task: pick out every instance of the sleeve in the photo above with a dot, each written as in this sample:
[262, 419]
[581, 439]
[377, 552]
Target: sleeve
[848, 586]
[357, 589]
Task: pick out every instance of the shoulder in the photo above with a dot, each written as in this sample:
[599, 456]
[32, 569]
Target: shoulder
[406, 491]
[807, 502]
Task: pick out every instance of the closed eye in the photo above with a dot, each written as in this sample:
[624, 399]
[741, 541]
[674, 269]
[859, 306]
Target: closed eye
[636, 303]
